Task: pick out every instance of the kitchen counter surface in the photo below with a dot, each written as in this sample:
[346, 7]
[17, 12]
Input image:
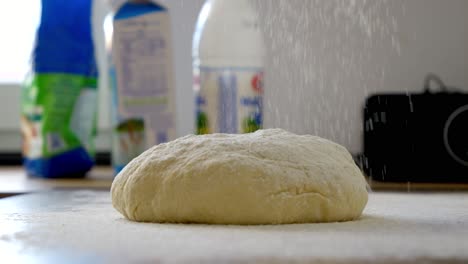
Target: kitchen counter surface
[13, 180]
[82, 227]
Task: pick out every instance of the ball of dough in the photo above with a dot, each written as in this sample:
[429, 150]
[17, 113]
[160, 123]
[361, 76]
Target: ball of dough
[267, 177]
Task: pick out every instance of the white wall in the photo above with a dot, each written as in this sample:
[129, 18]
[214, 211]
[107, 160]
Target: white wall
[324, 57]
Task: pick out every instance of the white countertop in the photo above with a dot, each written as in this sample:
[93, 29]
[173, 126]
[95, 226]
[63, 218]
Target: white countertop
[82, 226]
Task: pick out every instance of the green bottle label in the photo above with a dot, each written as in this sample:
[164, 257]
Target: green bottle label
[58, 114]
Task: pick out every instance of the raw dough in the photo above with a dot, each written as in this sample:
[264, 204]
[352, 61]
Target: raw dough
[267, 177]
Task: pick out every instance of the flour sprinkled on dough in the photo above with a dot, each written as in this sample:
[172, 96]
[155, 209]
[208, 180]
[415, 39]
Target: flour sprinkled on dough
[268, 177]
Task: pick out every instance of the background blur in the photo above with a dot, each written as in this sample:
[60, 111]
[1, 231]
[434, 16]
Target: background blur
[323, 58]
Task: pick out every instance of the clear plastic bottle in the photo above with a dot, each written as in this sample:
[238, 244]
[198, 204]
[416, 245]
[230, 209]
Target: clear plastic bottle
[228, 64]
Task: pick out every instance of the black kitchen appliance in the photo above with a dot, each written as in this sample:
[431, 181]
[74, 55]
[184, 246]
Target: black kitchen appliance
[417, 137]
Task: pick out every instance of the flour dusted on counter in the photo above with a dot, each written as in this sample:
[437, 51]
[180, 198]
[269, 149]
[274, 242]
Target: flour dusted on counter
[142, 80]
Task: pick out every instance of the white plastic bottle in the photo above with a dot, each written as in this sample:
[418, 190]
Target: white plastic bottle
[228, 64]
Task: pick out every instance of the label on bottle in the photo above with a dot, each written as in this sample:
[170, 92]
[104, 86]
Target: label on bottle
[58, 124]
[58, 115]
[228, 100]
